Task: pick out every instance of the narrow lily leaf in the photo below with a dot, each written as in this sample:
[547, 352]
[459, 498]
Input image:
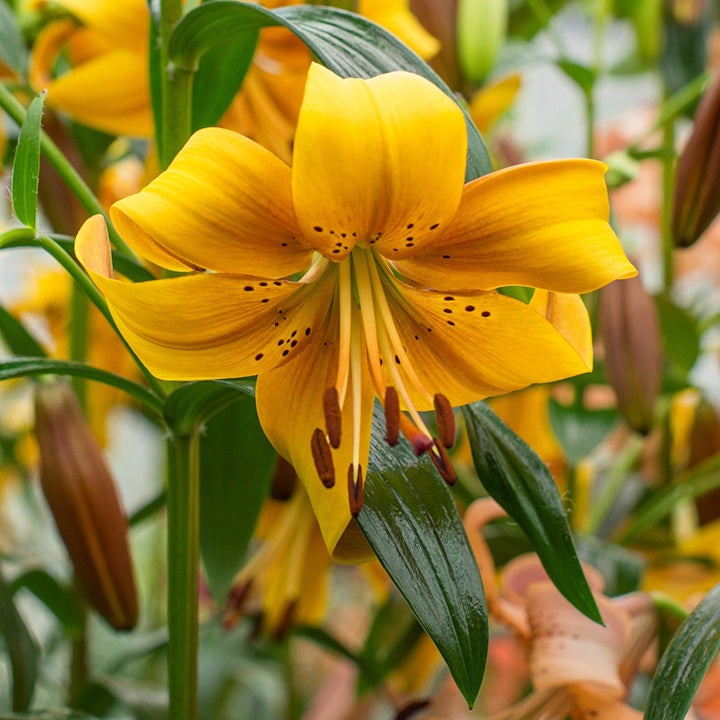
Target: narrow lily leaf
[12, 47]
[31, 367]
[411, 521]
[578, 430]
[236, 466]
[684, 663]
[518, 479]
[580, 74]
[50, 715]
[21, 648]
[219, 77]
[680, 335]
[347, 43]
[196, 402]
[18, 340]
[26, 168]
[60, 600]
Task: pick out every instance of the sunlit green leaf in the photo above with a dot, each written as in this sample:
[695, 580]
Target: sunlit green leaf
[18, 340]
[578, 430]
[680, 335]
[26, 167]
[60, 600]
[520, 482]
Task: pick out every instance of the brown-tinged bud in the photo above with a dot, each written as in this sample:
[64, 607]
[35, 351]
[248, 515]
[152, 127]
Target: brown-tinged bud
[630, 328]
[81, 494]
[439, 18]
[284, 480]
[696, 201]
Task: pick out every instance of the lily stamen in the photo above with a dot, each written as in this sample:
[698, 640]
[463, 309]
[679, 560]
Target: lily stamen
[355, 489]
[442, 463]
[322, 457]
[333, 416]
[445, 418]
[392, 416]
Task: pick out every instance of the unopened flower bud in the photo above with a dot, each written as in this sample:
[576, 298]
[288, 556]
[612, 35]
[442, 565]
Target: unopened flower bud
[481, 31]
[697, 184]
[80, 491]
[630, 327]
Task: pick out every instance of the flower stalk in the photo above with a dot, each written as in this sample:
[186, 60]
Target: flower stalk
[183, 474]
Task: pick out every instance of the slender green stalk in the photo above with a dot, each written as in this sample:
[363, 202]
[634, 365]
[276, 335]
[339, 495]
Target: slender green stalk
[79, 329]
[176, 89]
[618, 473]
[24, 237]
[14, 108]
[183, 556]
[668, 161]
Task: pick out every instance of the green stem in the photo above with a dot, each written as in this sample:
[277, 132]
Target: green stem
[24, 237]
[590, 115]
[14, 108]
[614, 482]
[183, 557]
[79, 329]
[668, 161]
[176, 89]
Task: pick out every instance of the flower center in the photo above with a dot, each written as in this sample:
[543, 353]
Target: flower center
[367, 325]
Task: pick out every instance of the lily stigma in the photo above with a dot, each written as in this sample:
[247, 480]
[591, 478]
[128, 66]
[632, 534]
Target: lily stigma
[396, 263]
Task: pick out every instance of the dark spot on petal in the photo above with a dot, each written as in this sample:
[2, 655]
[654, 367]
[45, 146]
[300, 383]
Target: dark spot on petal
[446, 257]
[293, 343]
[381, 361]
[448, 297]
[436, 225]
[397, 359]
[264, 300]
[447, 310]
[395, 249]
[485, 313]
[410, 226]
[335, 251]
[281, 342]
[354, 234]
[285, 352]
[317, 228]
[276, 324]
[307, 331]
[259, 356]
[416, 337]
[277, 282]
[450, 322]
[338, 244]
[263, 284]
[343, 235]
[248, 288]
[294, 333]
[409, 239]
[332, 232]
[469, 308]
[284, 244]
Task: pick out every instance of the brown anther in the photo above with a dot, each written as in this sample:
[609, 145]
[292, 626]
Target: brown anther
[322, 457]
[411, 708]
[233, 609]
[355, 489]
[286, 621]
[442, 462]
[445, 418]
[392, 416]
[333, 415]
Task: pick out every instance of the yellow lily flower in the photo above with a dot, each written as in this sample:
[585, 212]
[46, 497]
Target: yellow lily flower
[107, 86]
[401, 260]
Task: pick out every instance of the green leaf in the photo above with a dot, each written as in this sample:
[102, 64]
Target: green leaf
[393, 634]
[583, 76]
[26, 168]
[60, 600]
[218, 79]
[237, 464]
[12, 47]
[578, 430]
[680, 335]
[18, 340]
[684, 663]
[21, 648]
[196, 402]
[411, 521]
[520, 482]
[49, 715]
[31, 367]
[349, 44]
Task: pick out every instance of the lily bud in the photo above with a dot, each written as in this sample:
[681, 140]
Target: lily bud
[81, 494]
[630, 328]
[697, 184]
[481, 31]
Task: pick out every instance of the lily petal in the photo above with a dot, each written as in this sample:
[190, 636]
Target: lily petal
[110, 92]
[223, 204]
[395, 16]
[206, 325]
[380, 159]
[125, 23]
[470, 346]
[290, 407]
[542, 224]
